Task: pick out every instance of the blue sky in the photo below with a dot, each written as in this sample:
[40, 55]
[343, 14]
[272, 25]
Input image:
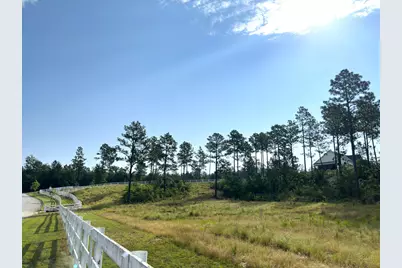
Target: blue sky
[190, 68]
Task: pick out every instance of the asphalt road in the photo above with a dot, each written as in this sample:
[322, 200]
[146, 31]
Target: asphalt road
[30, 205]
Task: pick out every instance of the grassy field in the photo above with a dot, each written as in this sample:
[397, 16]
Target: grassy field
[201, 232]
[44, 243]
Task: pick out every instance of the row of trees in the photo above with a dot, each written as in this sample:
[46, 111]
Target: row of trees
[351, 113]
[59, 175]
[350, 116]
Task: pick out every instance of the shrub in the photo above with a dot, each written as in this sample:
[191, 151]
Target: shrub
[234, 187]
[370, 190]
[308, 194]
[285, 183]
[35, 186]
[141, 193]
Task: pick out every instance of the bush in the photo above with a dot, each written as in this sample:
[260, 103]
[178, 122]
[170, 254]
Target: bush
[233, 187]
[35, 186]
[370, 190]
[141, 193]
[308, 194]
[285, 183]
[345, 185]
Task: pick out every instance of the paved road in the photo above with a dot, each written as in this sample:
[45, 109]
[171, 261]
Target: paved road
[30, 205]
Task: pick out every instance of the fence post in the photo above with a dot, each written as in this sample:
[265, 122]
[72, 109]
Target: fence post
[79, 232]
[142, 254]
[87, 244]
[77, 241]
[85, 259]
[98, 251]
[67, 226]
[86, 234]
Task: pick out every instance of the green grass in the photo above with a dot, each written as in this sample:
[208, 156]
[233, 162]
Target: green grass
[247, 234]
[44, 242]
[45, 200]
[66, 201]
[162, 251]
[101, 196]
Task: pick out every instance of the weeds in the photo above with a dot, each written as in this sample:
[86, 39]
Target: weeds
[261, 234]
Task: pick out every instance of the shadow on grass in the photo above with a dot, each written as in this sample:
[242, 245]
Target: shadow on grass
[56, 226]
[89, 197]
[49, 223]
[100, 206]
[25, 249]
[96, 198]
[354, 215]
[36, 256]
[38, 252]
[349, 214]
[53, 254]
[185, 201]
[40, 226]
[40, 214]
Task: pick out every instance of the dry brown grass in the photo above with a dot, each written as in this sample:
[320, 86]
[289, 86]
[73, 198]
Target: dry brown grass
[227, 248]
[262, 234]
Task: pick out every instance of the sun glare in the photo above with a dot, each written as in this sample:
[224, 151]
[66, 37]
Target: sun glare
[301, 16]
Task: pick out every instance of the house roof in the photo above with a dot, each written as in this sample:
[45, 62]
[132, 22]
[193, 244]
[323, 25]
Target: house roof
[329, 158]
[324, 163]
[358, 157]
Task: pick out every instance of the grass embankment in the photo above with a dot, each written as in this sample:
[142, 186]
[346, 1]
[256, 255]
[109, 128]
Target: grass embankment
[47, 201]
[66, 201]
[101, 196]
[44, 242]
[197, 230]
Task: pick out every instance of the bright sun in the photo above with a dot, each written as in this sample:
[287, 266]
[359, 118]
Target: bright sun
[304, 15]
[299, 16]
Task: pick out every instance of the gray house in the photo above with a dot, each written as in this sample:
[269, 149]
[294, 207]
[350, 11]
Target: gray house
[327, 160]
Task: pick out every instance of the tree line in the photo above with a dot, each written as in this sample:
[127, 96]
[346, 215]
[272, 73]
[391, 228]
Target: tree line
[350, 117]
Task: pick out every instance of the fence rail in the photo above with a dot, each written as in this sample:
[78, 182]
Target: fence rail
[57, 198]
[86, 243]
[75, 188]
[77, 203]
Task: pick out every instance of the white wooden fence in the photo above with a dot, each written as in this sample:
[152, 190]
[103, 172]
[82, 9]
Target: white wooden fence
[77, 203]
[87, 245]
[57, 199]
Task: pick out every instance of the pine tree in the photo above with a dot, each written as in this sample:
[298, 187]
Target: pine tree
[216, 146]
[134, 148]
[185, 155]
[345, 89]
[169, 147]
[78, 165]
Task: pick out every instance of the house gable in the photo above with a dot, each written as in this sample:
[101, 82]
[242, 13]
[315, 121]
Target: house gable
[329, 159]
